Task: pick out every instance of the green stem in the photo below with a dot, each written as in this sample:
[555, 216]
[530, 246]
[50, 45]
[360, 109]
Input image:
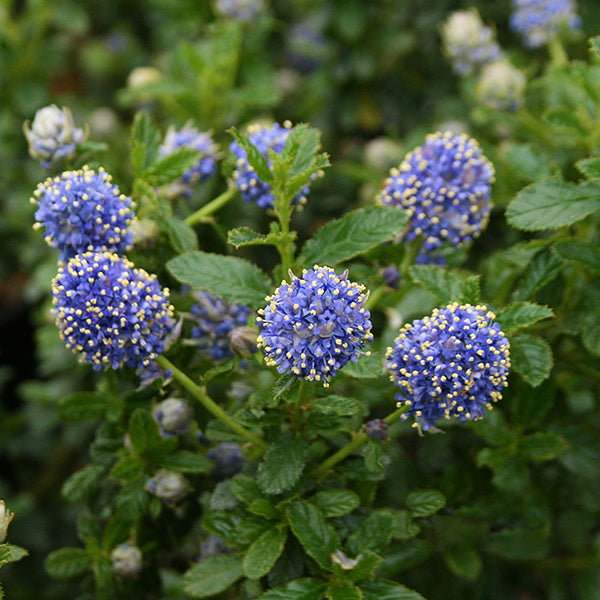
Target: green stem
[527, 120]
[375, 296]
[350, 447]
[200, 394]
[558, 55]
[212, 206]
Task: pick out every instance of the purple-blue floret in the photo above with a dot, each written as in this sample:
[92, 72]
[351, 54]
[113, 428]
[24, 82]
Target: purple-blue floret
[453, 363]
[315, 325]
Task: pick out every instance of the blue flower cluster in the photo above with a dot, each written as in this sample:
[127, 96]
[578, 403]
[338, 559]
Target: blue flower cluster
[467, 42]
[53, 136]
[83, 211]
[190, 137]
[445, 185]
[214, 320]
[451, 364]
[538, 21]
[253, 189]
[240, 10]
[315, 324]
[110, 313]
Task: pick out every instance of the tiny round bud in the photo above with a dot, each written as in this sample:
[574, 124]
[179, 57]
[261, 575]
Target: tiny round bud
[126, 561]
[391, 276]
[169, 486]
[501, 86]
[228, 458]
[242, 340]
[143, 76]
[377, 429]
[173, 417]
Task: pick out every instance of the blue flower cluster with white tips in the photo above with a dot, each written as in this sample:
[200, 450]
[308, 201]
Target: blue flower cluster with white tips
[445, 185]
[467, 42]
[190, 137]
[110, 313]
[451, 364]
[83, 211]
[253, 189]
[214, 320]
[315, 324]
[538, 21]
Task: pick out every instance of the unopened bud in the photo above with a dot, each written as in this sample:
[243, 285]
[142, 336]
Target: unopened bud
[377, 429]
[168, 486]
[126, 561]
[228, 458]
[242, 340]
[173, 417]
[501, 86]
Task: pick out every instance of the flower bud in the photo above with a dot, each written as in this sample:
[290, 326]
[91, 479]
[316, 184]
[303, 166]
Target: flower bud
[382, 153]
[53, 136]
[173, 417]
[142, 76]
[169, 486]
[501, 86]
[126, 561]
[5, 519]
[228, 458]
[391, 275]
[242, 340]
[377, 429]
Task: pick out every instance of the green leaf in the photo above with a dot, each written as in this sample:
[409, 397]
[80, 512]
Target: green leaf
[299, 589]
[528, 161]
[212, 576]
[336, 405]
[231, 278]
[10, 553]
[518, 544]
[245, 488]
[181, 236]
[145, 141]
[541, 446]
[373, 458]
[128, 468]
[83, 406]
[264, 552]
[464, 562]
[423, 503]
[406, 528]
[366, 563]
[67, 562]
[374, 533]
[255, 158]
[302, 143]
[283, 464]
[562, 117]
[317, 537]
[133, 499]
[551, 204]
[263, 508]
[595, 45]
[186, 462]
[583, 252]
[81, 485]
[366, 367]
[381, 589]
[343, 590]
[172, 166]
[521, 314]
[244, 236]
[143, 431]
[335, 503]
[531, 357]
[446, 285]
[353, 234]
[590, 167]
[543, 268]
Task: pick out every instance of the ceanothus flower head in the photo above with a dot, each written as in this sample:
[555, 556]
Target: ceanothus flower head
[314, 325]
[265, 138]
[214, 319]
[169, 486]
[538, 21]
[189, 137]
[110, 313]
[126, 561]
[240, 10]
[173, 417]
[467, 42]
[53, 136]
[501, 86]
[453, 363]
[83, 211]
[229, 459]
[445, 186]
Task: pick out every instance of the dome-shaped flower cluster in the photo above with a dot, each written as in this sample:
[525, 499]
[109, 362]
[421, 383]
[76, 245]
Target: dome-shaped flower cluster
[467, 42]
[83, 211]
[265, 138]
[110, 313]
[538, 21]
[501, 86]
[445, 185]
[189, 137]
[53, 136]
[451, 364]
[315, 324]
[214, 319]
